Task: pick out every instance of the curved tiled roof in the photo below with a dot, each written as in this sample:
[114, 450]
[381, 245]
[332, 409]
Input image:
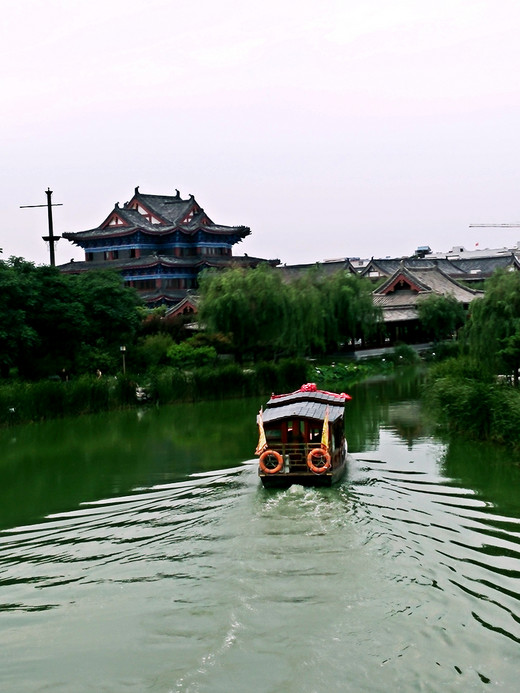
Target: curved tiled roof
[401, 304]
[171, 212]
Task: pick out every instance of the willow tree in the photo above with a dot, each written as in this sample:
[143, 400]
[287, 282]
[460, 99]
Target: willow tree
[440, 316]
[268, 316]
[249, 304]
[349, 307]
[492, 332]
[307, 314]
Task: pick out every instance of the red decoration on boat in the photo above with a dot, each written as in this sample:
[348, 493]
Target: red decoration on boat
[311, 387]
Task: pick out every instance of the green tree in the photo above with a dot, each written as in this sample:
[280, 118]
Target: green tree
[270, 317]
[151, 351]
[492, 332]
[112, 316]
[307, 317]
[440, 316]
[187, 355]
[350, 311]
[58, 319]
[249, 304]
[51, 322]
[16, 335]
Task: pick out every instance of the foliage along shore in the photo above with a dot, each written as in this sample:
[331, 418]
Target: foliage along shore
[476, 393]
[71, 327]
[466, 401]
[25, 402]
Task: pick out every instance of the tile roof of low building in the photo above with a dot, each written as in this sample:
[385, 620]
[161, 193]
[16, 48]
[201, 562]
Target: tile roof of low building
[485, 266]
[189, 299]
[399, 314]
[387, 266]
[290, 272]
[428, 280]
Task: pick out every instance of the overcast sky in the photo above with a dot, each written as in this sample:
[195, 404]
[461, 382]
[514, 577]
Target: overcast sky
[332, 128]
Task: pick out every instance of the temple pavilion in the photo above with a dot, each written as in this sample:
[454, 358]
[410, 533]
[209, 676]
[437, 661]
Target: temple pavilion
[160, 244]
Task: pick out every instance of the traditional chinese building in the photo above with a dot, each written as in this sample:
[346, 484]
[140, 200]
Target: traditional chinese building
[160, 244]
[472, 269]
[399, 296]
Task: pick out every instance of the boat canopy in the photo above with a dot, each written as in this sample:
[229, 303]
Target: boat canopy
[305, 405]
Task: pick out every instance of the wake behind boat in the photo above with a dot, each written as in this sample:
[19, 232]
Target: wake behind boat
[302, 438]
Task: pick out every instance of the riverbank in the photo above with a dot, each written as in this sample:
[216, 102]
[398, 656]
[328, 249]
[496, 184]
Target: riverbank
[25, 402]
[468, 402]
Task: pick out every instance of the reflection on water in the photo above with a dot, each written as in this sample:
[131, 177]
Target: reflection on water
[55, 466]
[149, 557]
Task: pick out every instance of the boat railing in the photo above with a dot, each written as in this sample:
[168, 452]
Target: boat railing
[296, 453]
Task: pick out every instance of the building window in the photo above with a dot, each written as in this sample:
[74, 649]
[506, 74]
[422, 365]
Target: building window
[176, 283]
[144, 284]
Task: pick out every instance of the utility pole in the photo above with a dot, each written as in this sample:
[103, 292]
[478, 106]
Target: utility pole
[51, 239]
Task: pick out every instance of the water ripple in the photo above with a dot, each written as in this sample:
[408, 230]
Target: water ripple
[397, 570]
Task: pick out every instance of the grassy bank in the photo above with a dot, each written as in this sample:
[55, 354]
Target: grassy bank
[468, 403]
[22, 402]
[340, 373]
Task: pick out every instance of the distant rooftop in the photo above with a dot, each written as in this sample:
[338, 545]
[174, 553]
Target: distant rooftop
[460, 252]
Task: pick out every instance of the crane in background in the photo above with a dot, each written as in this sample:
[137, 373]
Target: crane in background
[494, 226]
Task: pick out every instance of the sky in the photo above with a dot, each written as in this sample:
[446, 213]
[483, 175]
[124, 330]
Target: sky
[332, 128]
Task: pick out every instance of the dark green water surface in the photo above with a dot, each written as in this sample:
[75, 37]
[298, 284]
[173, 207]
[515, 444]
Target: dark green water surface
[138, 552]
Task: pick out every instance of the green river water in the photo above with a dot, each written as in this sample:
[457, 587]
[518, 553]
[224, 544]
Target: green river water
[139, 552]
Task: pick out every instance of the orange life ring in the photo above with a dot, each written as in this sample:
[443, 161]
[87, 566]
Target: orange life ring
[322, 454]
[270, 454]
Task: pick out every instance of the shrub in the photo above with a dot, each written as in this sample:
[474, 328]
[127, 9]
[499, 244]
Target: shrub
[463, 405]
[403, 354]
[230, 380]
[505, 406]
[462, 368]
[267, 377]
[167, 385]
[87, 395]
[152, 351]
[186, 356]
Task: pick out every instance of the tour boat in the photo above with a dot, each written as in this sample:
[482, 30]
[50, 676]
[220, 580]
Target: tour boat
[302, 438]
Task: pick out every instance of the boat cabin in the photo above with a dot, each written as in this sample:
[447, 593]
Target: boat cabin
[304, 437]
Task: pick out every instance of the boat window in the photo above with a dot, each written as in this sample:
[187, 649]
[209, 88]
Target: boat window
[273, 434]
[299, 431]
[315, 435]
